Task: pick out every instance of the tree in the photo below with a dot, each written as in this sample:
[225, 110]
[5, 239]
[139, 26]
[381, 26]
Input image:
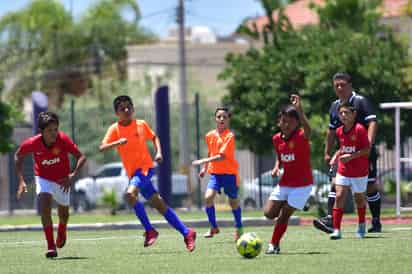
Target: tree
[261, 80]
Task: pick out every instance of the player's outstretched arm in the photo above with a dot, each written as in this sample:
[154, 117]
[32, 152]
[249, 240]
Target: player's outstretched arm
[158, 147]
[295, 99]
[202, 161]
[18, 163]
[104, 147]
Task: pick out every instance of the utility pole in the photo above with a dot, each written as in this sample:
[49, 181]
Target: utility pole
[184, 160]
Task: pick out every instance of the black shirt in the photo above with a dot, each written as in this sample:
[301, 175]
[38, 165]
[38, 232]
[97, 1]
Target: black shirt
[364, 109]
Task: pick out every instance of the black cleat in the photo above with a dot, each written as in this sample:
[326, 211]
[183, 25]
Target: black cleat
[376, 226]
[51, 253]
[324, 224]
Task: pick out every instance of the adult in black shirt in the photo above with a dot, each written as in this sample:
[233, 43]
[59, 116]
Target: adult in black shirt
[367, 117]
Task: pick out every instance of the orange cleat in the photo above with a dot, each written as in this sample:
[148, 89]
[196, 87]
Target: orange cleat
[190, 240]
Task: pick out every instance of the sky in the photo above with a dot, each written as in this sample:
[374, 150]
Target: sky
[222, 16]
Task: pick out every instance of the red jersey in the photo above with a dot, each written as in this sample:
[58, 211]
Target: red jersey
[50, 163]
[350, 142]
[294, 156]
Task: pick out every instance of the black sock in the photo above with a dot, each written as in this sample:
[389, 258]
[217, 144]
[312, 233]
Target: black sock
[331, 200]
[374, 201]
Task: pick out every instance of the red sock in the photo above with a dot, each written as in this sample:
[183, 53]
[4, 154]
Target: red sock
[361, 214]
[61, 230]
[278, 233]
[337, 217]
[48, 232]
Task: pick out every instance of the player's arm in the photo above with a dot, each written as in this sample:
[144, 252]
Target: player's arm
[296, 101]
[276, 168]
[158, 148]
[106, 146]
[18, 163]
[348, 157]
[372, 130]
[207, 160]
[329, 144]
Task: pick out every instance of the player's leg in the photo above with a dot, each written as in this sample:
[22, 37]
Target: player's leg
[359, 189]
[373, 195]
[213, 188]
[63, 212]
[280, 228]
[341, 191]
[231, 189]
[132, 199]
[44, 190]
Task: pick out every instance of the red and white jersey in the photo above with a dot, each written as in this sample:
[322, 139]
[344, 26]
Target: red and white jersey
[350, 142]
[294, 156]
[51, 163]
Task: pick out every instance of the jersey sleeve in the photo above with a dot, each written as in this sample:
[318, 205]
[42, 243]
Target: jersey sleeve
[228, 147]
[70, 145]
[368, 109]
[26, 147]
[111, 135]
[148, 132]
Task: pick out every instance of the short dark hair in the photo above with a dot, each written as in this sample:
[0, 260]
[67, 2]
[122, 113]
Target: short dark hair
[348, 106]
[342, 76]
[289, 111]
[120, 99]
[45, 118]
[225, 109]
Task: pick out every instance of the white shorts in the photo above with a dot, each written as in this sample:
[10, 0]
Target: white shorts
[358, 184]
[295, 196]
[46, 186]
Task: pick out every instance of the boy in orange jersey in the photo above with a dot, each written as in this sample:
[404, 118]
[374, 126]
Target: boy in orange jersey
[129, 136]
[223, 169]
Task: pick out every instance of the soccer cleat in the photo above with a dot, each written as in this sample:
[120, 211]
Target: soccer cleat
[238, 233]
[150, 237]
[211, 232]
[376, 226]
[190, 240]
[272, 249]
[361, 230]
[324, 224]
[51, 253]
[61, 240]
[336, 235]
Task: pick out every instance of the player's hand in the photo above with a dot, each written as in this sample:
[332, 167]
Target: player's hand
[295, 100]
[158, 158]
[197, 162]
[327, 159]
[21, 189]
[122, 141]
[345, 158]
[275, 172]
[202, 173]
[66, 183]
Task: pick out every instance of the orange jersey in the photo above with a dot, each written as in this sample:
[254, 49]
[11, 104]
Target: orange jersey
[135, 153]
[223, 144]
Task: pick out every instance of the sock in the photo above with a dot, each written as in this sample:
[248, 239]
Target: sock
[211, 215]
[142, 215]
[174, 221]
[374, 201]
[61, 229]
[278, 233]
[331, 200]
[361, 214]
[237, 213]
[337, 217]
[48, 232]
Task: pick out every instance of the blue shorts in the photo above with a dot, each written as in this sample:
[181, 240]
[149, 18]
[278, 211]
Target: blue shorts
[144, 183]
[227, 181]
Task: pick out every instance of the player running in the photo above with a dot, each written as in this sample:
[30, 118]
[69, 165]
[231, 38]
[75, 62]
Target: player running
[50, 150]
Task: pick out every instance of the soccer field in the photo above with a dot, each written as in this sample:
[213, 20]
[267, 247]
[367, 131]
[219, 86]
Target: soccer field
[303, 250]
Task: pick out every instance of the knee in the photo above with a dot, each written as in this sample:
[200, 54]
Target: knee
[131, 199]
[209, 200]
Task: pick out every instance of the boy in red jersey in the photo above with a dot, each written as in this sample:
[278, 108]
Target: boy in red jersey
[223, 169]
[129, 136]
[353, 167]
[293, 154]
[50, 150]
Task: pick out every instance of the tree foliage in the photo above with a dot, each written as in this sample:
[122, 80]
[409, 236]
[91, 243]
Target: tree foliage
[261, 80]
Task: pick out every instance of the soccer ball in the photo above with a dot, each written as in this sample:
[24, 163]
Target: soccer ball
[249, 245]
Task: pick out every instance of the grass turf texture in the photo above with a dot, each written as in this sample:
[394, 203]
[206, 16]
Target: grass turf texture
[303, 250]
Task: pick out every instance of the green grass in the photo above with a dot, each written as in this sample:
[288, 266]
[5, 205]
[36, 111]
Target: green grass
[303, 250]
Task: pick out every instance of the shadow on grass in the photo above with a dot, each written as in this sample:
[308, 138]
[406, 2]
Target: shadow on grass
[71, 258]
[303, 253]
[161, 252]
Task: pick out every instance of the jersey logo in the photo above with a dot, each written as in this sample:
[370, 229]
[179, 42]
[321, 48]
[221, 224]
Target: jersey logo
[287, 157]
[353, 138]
[50, 162]
[55, 151]
[348, 149]
[291, 145]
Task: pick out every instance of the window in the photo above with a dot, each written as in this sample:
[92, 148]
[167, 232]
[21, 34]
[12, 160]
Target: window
[109, 172]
